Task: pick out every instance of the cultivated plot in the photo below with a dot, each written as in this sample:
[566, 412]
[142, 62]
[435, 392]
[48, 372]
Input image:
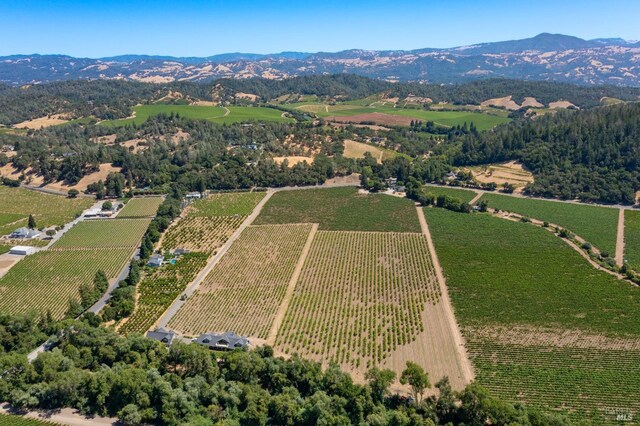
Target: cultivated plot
[360, 298]
[202, 234]
[632, 238]
[245, 289]
[597, 225]
[464, 195]
[47, 280]
[536, 316]
[226, 204]
[103, 233]
[140, 207]
[341, 209]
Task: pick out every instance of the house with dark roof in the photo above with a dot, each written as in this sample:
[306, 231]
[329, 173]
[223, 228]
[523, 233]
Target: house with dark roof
[155, 260]
[162, 335]
[226, 342]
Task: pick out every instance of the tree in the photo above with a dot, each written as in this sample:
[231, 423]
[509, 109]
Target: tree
[32, 222]
[417, 378]
[107, 205]
[379, 382]
[100, 281]
[73, 193]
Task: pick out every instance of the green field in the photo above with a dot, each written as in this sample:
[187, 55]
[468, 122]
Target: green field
[463, 195]
[103, 233]
[226, 204]
[598, 225]
[140, 207]
[445, 118]
[197, 112]
[11, 420]
[632, 238]
[45, 281]
[341, 209]
[542, 325]
[47, 209]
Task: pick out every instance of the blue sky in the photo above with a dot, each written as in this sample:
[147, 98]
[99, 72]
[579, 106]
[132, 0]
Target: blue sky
[96, 28]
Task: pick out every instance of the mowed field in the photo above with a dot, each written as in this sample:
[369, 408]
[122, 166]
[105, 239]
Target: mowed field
[47, 209]
[376, 113]
[244, 290]
[198, 112]
[597, 225]
[47, 280]
[542, 326]
[341, 209]
[140, 207]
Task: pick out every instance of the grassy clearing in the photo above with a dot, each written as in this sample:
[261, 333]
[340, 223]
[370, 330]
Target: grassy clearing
[341, 209]
[504, 274]
[48, 279]
[47, 209]
[463, 195]
[227, 204]
[107, 233]
[353, 149]
[198, 112]
[140, 207]
[598, 225]
[632, 238]
[244, 291]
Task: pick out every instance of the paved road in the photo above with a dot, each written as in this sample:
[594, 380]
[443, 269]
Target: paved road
[191, 288]
[100, 304]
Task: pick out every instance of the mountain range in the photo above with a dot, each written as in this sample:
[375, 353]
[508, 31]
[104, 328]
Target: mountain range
[551, 57]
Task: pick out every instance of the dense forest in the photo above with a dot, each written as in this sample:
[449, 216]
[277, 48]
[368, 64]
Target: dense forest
[593, 155]
[109, 99]
[141, 381]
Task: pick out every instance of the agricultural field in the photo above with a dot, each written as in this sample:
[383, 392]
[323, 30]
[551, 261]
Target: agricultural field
[47, 209]
[216, 114]
[509, 172]
[226, 204]
[341, 112]
[159, 289]
[353, 149]
[464, 195]
[341, 209]
[47, 280]
[103, 234]
[537, 317]
[632, 238]
[201, 234]
[245, 289]
[140, 207]
[597, 225]
[360, 297]
[14, 420]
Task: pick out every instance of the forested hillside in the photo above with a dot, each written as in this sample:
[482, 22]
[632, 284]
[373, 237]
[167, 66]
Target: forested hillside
[593, 155]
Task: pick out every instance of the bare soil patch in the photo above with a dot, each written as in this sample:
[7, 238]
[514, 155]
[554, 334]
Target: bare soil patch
[532, 102]
[374, 117]
[106, 140]
[293, 160]
[105, 169]
[505, 102]
[353, 149]
[510, 172]
[561, 105]
[366, 126]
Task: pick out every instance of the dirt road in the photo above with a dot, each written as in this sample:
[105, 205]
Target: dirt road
[282, 310]
[464, 365]
[620, 239]
[476, 198]
[65, 416]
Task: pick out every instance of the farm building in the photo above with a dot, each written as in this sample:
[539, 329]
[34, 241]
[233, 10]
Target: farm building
[226, 341]
[155, 260]
[193, 195]
[25, 233]
[180, 251]
[22, 250]
[162, 335]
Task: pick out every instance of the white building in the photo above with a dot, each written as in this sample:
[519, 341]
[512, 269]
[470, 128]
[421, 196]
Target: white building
[22, 250]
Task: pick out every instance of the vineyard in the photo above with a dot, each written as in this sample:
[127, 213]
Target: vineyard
[12, 420]
[359, 298]
[203, 234]
[158, 289]
[105, 233]
[227, 204]
[516, 275]
[632, 238]
[341, 209]
[140, 207]
[463, 195]
[48, 279]
[243, 292]
[47, 209]
[597, 225]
